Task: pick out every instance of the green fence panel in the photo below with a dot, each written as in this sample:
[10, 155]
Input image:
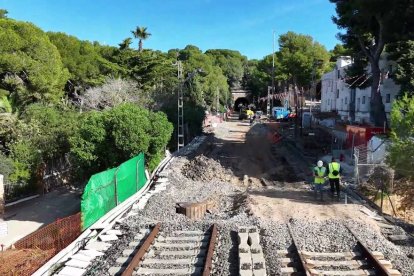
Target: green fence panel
[98, 197]
[130, 177]
[107, 189]
[126, 179]
[142, 178]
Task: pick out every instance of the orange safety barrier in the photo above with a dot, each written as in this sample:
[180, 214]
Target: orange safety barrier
[55, 236]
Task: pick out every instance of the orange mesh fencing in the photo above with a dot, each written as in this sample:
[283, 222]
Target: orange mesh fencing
[54, 236]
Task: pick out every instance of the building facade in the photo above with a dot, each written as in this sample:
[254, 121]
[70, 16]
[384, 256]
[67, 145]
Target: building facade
[353, 104]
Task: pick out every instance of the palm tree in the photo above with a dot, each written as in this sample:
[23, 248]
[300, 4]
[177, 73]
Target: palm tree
[141, 34]
[125, 43]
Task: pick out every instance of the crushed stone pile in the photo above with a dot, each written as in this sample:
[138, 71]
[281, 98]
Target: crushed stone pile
[202, 168]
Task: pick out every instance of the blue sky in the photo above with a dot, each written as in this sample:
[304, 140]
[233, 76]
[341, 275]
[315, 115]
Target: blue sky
[243, 25]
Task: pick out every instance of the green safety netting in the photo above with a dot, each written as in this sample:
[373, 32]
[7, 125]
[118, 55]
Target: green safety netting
[98, 197]
[107, 189]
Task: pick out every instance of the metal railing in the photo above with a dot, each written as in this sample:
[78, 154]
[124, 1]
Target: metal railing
[17, 191]
[364, 163]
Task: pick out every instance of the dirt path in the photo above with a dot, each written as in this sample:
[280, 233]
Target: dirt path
[26, 217]
[274, 190]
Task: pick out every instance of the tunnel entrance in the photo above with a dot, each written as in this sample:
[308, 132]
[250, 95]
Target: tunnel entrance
[243, 101]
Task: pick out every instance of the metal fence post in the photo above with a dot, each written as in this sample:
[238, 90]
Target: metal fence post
[356, 173]
[1, 196]
[137, 175]
[116, 187]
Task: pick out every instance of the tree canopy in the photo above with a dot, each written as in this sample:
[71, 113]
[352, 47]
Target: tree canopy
[86, 65]
[403, 54]
[299, 56]
[141, 34]
[232, 63]
[31, 69]
[210, 83]
[125, 43]
[3, 13]
[401, 151]
[299, 60]
[338, 51]
[369, 26]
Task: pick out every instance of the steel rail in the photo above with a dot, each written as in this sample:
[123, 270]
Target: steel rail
[136, 260]
[301, 258]
[208, 265]
[388, 218]
[379, 268]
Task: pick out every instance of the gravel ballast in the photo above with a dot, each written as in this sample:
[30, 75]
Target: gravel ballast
[202, 179]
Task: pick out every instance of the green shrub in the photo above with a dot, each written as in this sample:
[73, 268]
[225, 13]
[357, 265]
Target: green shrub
[40, 134]
[108, 138]
[6, 167]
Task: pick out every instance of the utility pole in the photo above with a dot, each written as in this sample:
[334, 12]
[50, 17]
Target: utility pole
[180, 106]
[295, 97]
[218, 101]
[273, 66]
[180, 103]
[313, 88]
[268, 102]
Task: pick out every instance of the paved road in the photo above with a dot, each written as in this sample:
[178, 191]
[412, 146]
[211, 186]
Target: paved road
[26, 217]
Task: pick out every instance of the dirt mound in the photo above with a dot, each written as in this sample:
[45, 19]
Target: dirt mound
[23, 262]
[202, 168]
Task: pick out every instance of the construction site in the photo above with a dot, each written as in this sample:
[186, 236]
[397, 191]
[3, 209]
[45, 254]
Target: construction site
[238, 201]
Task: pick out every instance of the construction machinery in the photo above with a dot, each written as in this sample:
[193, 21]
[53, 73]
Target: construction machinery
[282, 112]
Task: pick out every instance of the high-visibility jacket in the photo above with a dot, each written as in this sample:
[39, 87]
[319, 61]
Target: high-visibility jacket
[334, 166]
[319, 175]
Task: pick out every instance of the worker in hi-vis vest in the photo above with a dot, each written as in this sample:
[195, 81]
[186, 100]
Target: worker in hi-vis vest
[250, 115]
[334, 174]
[319, 173]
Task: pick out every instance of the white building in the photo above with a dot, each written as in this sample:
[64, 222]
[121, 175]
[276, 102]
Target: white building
[353, 104]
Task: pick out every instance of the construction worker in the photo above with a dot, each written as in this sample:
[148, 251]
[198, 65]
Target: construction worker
[250, 115]
[334, 174]
[319, 173]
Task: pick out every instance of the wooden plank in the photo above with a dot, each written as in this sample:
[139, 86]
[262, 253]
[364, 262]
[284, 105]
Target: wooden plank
[370, 214]
[386, 264]
[282, 252]
[395, 238]
[286, 254]
[385, 225]
[394, 272]
[378, 255]
[286, 261]
[359, 272]
[348, 255]
[288, 270]
[330, 254]
[352, 263]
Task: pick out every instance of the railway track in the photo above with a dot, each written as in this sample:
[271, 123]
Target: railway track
[154, 252]
[362, 261]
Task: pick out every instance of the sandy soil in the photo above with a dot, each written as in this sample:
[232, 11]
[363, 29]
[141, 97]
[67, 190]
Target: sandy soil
[283, 204]
[274, 190]
[22, 262]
